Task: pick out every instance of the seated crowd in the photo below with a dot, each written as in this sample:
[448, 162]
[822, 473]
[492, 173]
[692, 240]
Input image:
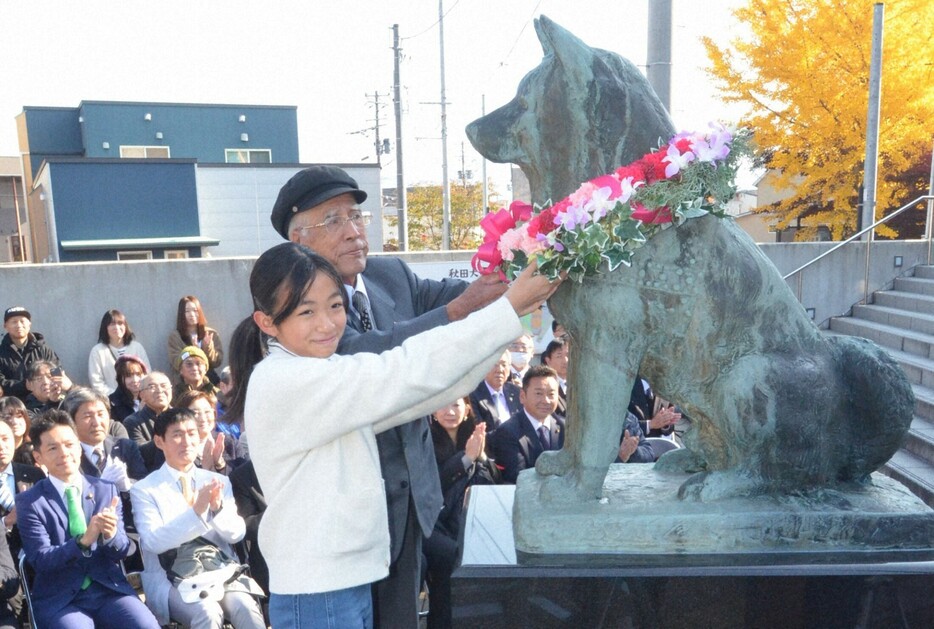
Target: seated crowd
[166, 449]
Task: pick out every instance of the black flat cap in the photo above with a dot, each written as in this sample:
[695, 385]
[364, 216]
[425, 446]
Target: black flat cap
[308, 188]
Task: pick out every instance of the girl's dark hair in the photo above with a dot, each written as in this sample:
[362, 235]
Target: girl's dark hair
[122, 369]
[278, 281]
[182, 325]
[16, 404]
[106, 320]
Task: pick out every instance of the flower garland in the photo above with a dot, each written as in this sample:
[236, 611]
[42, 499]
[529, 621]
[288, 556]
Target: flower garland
[599, 226]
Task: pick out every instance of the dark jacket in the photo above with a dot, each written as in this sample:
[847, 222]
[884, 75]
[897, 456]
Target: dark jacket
[14, 361]
[121, 405]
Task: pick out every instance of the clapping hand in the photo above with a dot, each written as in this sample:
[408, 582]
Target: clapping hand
[628, 446]
[212, 457]
[475, 443]
[116, 473]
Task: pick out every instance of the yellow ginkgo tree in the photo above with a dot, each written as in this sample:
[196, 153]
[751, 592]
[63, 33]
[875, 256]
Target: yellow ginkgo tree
[802, 69]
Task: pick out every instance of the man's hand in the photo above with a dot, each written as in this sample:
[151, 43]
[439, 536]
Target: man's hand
[9, 520]
[664, 418]
[105, 522]
[210, 495]
[627, 447]
[481, 292]
[116, 473]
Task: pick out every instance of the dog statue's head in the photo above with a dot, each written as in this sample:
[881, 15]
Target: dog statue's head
[581, 113]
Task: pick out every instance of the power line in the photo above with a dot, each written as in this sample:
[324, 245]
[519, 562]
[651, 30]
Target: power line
[438, 21]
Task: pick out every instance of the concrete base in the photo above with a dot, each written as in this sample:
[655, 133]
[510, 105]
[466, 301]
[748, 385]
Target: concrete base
[641, 521]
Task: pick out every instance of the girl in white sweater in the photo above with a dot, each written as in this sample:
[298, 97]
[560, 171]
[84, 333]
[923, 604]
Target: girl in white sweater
[114, 339]
[312, 417]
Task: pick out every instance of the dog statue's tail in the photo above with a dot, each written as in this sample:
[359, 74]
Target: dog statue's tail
[879, 406]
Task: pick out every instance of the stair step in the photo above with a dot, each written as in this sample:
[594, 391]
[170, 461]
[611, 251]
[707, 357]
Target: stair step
[925, 271]
[921, 439]
[919, 370]
[915, 321]
[924, 402]
[902, 300]
[914, 473]
[888, 336]
[918, 285]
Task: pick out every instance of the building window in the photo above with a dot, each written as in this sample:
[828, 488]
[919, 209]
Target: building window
[176, 254]
[142, 152]
[134, 255]
[248, 156]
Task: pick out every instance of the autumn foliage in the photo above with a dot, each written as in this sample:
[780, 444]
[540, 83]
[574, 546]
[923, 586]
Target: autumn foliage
[803, 70]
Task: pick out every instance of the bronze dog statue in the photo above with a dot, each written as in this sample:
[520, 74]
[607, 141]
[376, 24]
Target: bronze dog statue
[701, 313]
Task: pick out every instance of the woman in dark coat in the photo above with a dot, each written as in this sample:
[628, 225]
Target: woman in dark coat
[459, 451]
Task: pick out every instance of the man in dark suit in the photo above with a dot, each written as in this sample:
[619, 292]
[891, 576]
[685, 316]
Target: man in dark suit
[496, 399]
[517, 444]
[72, 531]
[14, 478]
[318, 208]
[251, 503]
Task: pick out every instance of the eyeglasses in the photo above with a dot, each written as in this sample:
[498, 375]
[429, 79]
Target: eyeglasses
[159, 387]
[336, 223]
[44, 377]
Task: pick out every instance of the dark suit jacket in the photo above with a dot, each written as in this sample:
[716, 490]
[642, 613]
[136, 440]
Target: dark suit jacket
[124, 449]
[24, 477]
[403, 305]
[485, 410]
[515, 445]
[250, 505]
[54, 554]
[9, 585]
[139, 425]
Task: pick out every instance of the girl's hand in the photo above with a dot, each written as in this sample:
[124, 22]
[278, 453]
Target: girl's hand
[529, 290]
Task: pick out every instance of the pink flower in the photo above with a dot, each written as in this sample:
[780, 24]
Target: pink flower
[608, 181]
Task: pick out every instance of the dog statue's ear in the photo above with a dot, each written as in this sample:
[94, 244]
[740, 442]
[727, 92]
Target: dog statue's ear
[558, 42]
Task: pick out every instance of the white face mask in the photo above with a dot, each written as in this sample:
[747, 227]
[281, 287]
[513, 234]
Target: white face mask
[520, 360]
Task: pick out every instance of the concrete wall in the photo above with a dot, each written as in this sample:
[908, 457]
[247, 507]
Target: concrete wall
[67, 301]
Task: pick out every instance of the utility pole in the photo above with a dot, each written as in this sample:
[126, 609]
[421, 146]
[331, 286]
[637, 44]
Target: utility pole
[658, 59]
[870, 169]
[376, 124]
[446, 184]
[483, 161]
[397, 105]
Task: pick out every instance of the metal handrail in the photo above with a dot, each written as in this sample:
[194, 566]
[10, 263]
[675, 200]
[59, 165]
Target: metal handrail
[927, 233]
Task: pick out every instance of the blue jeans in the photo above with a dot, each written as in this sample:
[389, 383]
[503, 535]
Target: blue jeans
[350, 608]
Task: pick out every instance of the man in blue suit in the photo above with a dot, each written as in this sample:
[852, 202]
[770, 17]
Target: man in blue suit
[71, 527]
[519, 441]
[319, 208]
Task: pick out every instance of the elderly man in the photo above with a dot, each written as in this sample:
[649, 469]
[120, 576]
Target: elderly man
[496, 399]
[319, 208]
[19, 348]
[155, 392]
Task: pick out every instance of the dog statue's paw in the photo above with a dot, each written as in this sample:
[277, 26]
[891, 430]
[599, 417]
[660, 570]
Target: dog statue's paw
[554, 463]
[710, 486]
[568, 489]
[680, 461]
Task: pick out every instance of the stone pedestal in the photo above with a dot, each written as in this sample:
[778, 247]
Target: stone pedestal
[493, 588]
[641, 521]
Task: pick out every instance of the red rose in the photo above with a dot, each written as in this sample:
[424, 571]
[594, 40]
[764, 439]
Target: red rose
[653, 167]
[657, 216]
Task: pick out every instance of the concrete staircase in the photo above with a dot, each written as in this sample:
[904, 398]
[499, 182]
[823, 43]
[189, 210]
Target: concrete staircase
[901, 320]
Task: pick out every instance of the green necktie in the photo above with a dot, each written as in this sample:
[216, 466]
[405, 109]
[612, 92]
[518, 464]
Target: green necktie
[76, 524]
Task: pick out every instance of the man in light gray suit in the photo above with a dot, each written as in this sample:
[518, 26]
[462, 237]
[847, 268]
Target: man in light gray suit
[318, 207]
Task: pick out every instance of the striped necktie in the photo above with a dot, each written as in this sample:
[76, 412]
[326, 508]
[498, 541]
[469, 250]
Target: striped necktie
[6, 498]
